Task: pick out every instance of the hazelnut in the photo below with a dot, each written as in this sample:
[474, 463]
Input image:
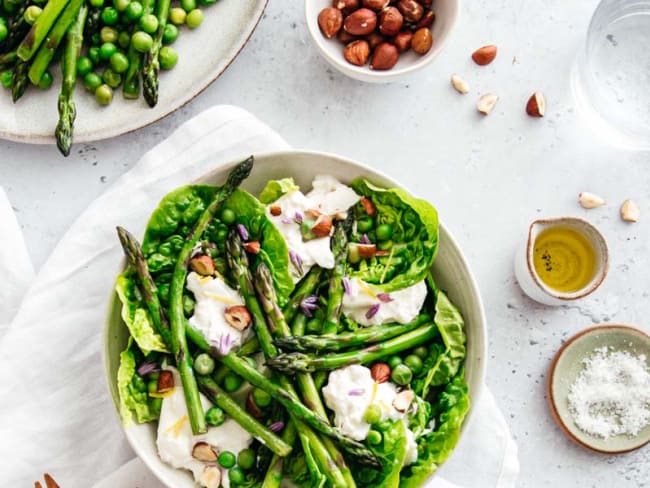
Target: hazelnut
[411, 10]
[390, 21]
[203, 265]
[345, 37]
[380, 372]
[253, 247]
[426, 20]
[366, 251]
[204, 452]
[360, 22]
[252, 408]
[376, 4]
[403, 40]
[374, 40]
[238, 317]
[323, 225]
[165, 381]
[275, 210]
[426, 3]
[536, 105]
[403, 400]
[484, 55]
[357, 52]
[346, 6]
[368, 206]
[422, 41]
[330, 20]
[211, 477]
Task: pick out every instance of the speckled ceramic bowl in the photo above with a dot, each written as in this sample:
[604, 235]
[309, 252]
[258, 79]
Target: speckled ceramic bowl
[450, 270]
[566, 367]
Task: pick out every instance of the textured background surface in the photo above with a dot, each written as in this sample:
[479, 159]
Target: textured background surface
[489, 177]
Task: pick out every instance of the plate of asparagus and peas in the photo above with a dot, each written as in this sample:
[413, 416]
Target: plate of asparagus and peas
[113, 49]
[289, 337]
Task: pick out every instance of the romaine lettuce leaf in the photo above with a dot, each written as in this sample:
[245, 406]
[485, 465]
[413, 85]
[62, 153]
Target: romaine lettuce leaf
[135, 403]
[274, 189]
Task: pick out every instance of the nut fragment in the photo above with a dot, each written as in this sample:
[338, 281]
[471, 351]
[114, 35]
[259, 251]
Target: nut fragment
[402, 40]
[330, 20]
[380, 372]
[203, 265]
[403, 400]
[484, 55]
[411, 10]
[390, 21]
[360, 22]
[376, 4]
[252, 408]
[165, 381]
[590, 200]
[422, 40]
[536, 105]
[204, 452]
[357, 52]
[211, 477]
[459, 84]
[253, 247]
[275, 210]
[238, 317]
[323, 226]
[346, 6]
[368, 206]
[486, 103]
[366, 251]
[630, 211]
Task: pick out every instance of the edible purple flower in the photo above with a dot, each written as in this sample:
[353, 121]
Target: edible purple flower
[298, 218]
[356, 392]
[147, 367]
[372, 311]
[242, 231]
[296, 260]
[224, 344]
[347, 286]
[308, 305]
[364, 239]
[384, 297]
[286, 220]
[276, 426]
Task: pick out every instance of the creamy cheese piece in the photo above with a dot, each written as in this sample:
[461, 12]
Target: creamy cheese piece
[175, 440]
[330, 196]
[213, 296]
[401, 306]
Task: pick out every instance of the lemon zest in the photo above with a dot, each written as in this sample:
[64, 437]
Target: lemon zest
[367, 289]
[175, 428]
[374, 392]
[205, 279]
[221, 298]
[388, 263]
[163, 394]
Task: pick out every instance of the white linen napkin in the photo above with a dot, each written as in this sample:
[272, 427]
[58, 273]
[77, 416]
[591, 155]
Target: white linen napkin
[56, 414]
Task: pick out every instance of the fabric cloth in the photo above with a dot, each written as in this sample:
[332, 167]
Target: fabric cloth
[56, 414]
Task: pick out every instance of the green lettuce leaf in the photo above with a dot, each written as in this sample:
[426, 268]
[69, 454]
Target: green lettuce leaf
[136, 316]
[392, 451]
[135, 403]
[435, 447]
[274, 189]
[415, 237]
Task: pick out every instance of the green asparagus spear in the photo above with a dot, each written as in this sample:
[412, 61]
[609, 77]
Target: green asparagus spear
[347, 340]
[220, 398]
[299, 362]
[273, 476]
[8, 60]
[17, 29]
[19, 80]
[131, 88]
[67, 109]
[135, 257]
[306, 287]
[41, 28]
[177, 316]
[335, 294]
[151, 65]
[55, 36]
[93, 22]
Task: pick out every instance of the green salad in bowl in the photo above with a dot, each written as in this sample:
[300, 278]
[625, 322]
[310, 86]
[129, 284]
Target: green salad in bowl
[291, 335]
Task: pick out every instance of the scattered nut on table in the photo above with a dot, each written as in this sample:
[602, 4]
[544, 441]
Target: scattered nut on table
[485, 55]
[459, 84]
[590, 200]
[536, 105]
[629, 211]
[486, 103]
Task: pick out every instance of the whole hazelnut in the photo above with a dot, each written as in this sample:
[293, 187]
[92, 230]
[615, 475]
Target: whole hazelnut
[390, 21]
[330, 20]
[384, 57]
[422, 41]
[360, 22]
[357, 52]
[346, 6]
[426, 3]
[345, 37]
[426, 20]
[375, 39]
[376, 4]
[402, 41]
[411, 10]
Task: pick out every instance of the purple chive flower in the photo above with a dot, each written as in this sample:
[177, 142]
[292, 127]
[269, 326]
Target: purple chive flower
[308, 305]
[242, 231]
[347, 286]
[148, 367]
[372, 311]
[287, 220]
[276, 426]
[224, 344]
[298, 218]
[384, 297]
[356, 392]
[364, 239]
[296, 260]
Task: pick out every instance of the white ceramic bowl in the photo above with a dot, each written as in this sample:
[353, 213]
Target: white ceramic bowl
[447, 12]
[450, 270]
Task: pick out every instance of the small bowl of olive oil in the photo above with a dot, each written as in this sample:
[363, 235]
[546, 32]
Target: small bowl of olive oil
[564, 259]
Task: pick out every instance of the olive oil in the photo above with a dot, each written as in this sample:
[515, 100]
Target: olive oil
[564, 259]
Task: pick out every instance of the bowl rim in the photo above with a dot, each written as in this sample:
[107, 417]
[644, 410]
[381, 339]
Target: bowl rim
[481, 322]
[363, 73]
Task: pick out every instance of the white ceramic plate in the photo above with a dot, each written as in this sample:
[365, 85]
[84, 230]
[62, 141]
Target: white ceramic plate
[450, 270]
[204, 53]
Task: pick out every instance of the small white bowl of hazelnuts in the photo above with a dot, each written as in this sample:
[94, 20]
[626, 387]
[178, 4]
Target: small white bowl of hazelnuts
[379, 41]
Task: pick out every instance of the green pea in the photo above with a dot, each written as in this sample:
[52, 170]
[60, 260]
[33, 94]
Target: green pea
[134, 11]
[222, 234]
[215, 416]
[111, 78]
[32, 13]
[246, 459]
[149, 23]
[106, 50]
[177, 16]
[194, 18]
[232, 382]
[414, 363]
[155, 405]
[124, 39]
[227, 459]
[261, 398]
[365, 224]
[204, 364]
[139, 384]
[384, 232]
[6, 78]
[104, 94]
[401, 375]
[168, 57]
[228, 216]
[152, 386]
[119, 62]
[372, 414]
[236, 476]
[84, 65]
[385, 245]
[141, 41]
[170, 34]
[93, 55]
[3, 21]
[97, 3]
[374, 437]
[394, 361]
[4, 32]
[220, 374]
[108, 34]
[121, 5]
[188, 5]
[92, 81]
[46, 81]
[421, 352]
[110, 16]
[95, 40]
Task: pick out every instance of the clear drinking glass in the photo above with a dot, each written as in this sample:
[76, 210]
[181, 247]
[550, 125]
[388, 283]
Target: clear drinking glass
[611, 79]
